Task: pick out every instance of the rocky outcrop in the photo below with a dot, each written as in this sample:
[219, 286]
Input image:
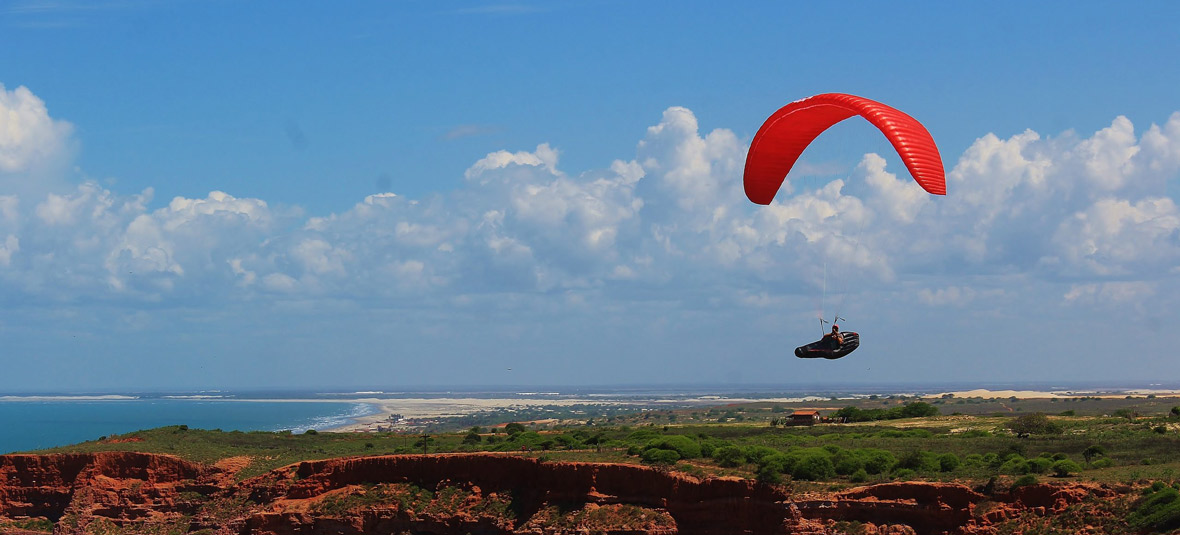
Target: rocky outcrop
[117, 485]
[478, 493]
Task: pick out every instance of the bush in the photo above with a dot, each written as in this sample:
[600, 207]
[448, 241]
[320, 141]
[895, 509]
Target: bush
[769, 475]
[948, 462]
[686, 447]
[848, 464]
[920, 461]
[1102, 463]
[1065, 467]
[1015, 465]
[1024, 481]
[877, 461]
[1158, 511]
[859, 476]
[514, 428]
[729, 456]
[1040, 465]
[710, 445]
[660, 456]
[1034, 423]
[917, 409]
[905, 474]
[1092, 451]
[813, 466]
[643, 435]
[755, 454]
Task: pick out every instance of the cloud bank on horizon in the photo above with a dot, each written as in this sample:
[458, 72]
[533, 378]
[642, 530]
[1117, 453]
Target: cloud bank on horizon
[645, 251]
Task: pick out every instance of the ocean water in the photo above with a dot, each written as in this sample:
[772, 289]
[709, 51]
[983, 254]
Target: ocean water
[36, 423]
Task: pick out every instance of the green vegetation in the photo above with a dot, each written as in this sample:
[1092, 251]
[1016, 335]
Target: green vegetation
[888, 439]
[1159, 510]
[917, 409]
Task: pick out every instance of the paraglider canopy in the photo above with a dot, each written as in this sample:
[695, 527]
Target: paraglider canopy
[789, 131]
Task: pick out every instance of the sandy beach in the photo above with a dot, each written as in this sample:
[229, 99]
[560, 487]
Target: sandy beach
[418, 408]
[427, 408]
[1038, 394]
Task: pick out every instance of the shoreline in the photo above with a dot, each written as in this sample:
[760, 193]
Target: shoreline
[424, 408]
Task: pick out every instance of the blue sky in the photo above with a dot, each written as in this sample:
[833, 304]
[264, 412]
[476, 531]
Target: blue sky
[230, 194]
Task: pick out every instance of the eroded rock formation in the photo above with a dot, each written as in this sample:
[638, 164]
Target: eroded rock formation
[476, 493]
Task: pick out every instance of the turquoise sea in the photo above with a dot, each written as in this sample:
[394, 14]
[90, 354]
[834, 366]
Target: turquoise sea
[28, 423]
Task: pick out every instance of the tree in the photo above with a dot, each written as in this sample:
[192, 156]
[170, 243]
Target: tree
[514, 428]
[1034, 423]
[1093, 451]
[472, 438]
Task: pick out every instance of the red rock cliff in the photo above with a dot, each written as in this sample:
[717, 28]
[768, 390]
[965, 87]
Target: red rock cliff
[476, 493]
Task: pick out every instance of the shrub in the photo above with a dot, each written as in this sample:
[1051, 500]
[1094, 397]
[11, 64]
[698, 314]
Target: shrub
[904, 474]
[1065, 467]
[1040, 465]
[813, 466]
[877, 461]
[1015, 465]
[729, 456]
[514, 428]
[1024, 481]
[1158, 511]
[527, 437]
[1034, 423]
[770, 475]
[859, 476]
[660, 456]
[917, 409]
[778, 461]
[710, 445]
[1102, 463]
[311, 432]
[920, 461]
[1092, 451]
[643, 435]
[686, 447]
[472, 438]
[948, 462]
[755, 454]
[848, 464]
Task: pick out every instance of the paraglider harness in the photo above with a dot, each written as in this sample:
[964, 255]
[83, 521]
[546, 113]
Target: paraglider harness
[830, 346]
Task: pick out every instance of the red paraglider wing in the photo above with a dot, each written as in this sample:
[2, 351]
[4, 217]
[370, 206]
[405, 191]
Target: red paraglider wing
[785, 135]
